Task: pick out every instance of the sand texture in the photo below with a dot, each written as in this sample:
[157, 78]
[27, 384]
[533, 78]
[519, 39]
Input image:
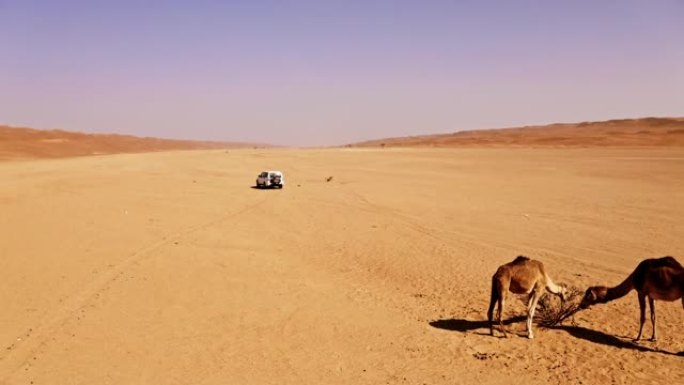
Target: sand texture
[169, 268]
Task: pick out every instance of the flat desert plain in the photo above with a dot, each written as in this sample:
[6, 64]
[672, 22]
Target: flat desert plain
[169, 268]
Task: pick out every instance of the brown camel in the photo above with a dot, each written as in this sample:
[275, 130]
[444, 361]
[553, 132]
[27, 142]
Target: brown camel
[522, 276]
[656, 279]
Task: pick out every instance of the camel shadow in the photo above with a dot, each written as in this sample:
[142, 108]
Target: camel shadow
[464, 325]
[598, 337]
[595, 336]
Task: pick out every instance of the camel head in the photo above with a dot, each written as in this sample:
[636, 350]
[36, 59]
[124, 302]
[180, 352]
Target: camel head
[594, 295]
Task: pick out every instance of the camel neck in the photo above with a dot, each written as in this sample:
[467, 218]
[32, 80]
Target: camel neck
[620, 290]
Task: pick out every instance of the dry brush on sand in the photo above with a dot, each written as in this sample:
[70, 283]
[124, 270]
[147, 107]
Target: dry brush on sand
[552, 311]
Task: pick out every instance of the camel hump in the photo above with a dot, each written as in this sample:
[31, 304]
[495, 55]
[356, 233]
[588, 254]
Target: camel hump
[520, 259]
[651, 266]
[667, 261]
[656, 263]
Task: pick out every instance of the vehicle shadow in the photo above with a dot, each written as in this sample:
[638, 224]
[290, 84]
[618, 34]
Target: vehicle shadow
[464, 325]
[598, 337]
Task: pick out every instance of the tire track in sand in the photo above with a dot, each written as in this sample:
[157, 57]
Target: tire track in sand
[27, 346]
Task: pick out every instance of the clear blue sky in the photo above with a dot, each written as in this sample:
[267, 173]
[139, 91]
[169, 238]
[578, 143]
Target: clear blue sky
[333, 72]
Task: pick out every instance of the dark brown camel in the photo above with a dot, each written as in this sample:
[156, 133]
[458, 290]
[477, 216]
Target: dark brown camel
[656, 279]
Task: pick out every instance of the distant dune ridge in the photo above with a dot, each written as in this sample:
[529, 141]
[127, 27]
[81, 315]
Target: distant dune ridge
[18, 143]
[623, 132]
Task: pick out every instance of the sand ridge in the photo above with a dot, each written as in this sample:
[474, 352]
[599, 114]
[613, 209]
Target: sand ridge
[28, 143]
[613, 133]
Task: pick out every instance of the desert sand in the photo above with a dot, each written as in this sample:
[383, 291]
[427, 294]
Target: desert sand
[169, 268]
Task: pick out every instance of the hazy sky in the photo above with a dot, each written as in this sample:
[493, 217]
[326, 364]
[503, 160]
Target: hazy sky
[333, 72]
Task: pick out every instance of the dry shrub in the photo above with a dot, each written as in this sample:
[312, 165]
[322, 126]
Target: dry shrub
[551, 311]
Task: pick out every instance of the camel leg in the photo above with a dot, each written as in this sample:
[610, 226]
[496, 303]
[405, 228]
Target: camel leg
[490, 314]
[492, 302]
[531, 307]
[651, 303]
[642, 315]
[530, 298]
[499, 313]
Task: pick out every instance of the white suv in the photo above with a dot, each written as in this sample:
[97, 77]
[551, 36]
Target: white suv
[270, 179]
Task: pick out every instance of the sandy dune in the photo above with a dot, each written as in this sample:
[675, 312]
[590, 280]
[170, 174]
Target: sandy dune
[168, 268]
[620, 133]
[23, 143]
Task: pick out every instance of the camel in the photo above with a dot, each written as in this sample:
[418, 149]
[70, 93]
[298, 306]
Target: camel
[656, 279]
[522, 276]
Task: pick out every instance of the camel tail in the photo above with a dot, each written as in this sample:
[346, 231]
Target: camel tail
[493, 299]
[492, 302]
